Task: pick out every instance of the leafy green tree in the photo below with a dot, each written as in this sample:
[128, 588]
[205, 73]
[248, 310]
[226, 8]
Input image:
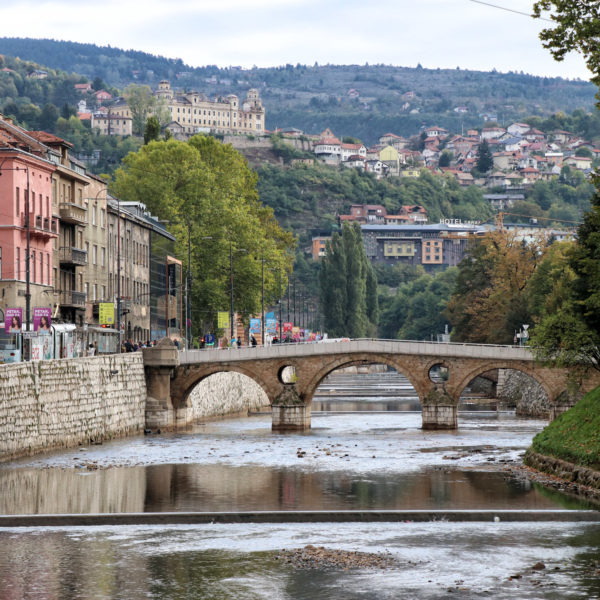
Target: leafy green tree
[49, 117]
[416, 311]
[141, 103]
[485, 160]
[348, 284]
[152, 130]
[445, 158]
[208, 194]
[577, 29]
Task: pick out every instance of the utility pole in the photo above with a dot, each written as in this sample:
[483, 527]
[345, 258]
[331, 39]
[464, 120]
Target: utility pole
[27, 260]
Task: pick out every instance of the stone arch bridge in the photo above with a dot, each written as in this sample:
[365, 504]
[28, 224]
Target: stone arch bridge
[171, 375]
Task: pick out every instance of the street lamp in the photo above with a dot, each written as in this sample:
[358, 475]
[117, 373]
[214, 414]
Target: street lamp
[231, 285]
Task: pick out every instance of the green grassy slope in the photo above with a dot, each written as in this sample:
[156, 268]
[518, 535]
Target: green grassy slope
[575, 435]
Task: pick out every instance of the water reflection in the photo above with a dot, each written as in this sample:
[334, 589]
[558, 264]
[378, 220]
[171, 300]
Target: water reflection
[189, 487]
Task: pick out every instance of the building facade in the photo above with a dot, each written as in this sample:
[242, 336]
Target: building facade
[432, 246]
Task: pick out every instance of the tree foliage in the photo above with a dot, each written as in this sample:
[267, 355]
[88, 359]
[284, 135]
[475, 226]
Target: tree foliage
[485, 160]
[577, 29]
[489, 302]
[206, 191]
[416, 310]
[348, 286]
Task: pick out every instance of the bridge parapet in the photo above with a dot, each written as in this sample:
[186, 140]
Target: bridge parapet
[440, 349]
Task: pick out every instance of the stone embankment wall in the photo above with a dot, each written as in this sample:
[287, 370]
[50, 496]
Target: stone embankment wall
[529, 396]
[563, 469]
[62, 403]
[226, 394]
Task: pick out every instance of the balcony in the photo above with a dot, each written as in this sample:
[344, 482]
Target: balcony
[73, 213]
[72, 298]
[72, 256]
[39, 226]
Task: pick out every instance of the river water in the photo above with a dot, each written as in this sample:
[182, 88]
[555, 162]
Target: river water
[360, 454]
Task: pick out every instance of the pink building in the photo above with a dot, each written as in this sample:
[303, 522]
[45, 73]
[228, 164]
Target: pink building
[25, 174]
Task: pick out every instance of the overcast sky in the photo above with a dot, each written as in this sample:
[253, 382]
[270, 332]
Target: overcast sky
[435, 33]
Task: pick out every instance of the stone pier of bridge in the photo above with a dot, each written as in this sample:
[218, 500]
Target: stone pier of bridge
[289, 374]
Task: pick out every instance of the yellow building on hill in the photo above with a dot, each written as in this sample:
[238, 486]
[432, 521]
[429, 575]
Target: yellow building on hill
[193, 112]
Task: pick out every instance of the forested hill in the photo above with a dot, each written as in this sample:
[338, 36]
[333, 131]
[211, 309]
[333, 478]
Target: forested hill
[363, 101]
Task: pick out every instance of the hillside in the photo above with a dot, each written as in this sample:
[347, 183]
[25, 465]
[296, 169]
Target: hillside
[364, 101]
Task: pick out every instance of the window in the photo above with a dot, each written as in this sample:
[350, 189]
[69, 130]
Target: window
[94, 208]
[33, 266]
[94, 254]
[41, 267]
[18, 265]
[18, 197]
[103, 292]
[102, 256]
[48, 268]
[102, 217]
[95, 291]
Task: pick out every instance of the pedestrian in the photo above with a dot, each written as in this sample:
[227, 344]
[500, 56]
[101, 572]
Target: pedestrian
[253, 341]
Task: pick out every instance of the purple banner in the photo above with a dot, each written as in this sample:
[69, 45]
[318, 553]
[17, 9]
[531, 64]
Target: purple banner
[42, 319]
[13, 320]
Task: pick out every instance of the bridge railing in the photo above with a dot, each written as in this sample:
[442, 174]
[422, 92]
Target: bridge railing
[364, 345]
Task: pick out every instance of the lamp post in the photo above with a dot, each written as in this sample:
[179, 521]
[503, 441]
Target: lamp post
[119, 272]
[231, 312]
[188, 288]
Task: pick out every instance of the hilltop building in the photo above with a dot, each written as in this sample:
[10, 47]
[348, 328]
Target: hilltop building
[193, 112]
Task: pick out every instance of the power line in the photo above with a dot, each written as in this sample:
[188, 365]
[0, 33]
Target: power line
[517, 12]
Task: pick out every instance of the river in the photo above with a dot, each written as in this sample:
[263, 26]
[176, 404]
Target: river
[361, 454]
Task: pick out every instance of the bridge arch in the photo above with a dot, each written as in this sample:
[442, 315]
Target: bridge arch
[405, 368]
[467, 375]
[187, 379]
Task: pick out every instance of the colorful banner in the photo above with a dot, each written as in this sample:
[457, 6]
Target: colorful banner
[269, 315]
[271, 326]
[295, 331]
[287, 327]
[13, 320]
[223, 320]
[42, 319]
[254, 325]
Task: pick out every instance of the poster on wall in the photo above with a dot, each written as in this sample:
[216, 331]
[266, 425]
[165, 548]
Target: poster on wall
[271, 326]
[223, 320]
[287, 327]
[13, 320]
[254, 325]
[106, 313]
[42, 320]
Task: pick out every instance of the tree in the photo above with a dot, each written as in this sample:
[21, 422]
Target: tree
[141, 103]
[348, 284]
[207, 191]
[489, 302]
[445, 159]
[152, 130]
[485, 160]
[577, 29]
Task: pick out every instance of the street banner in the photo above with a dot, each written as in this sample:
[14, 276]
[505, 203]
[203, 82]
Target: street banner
[106, 313]
[254, 325]
[296, 331]
[271, 326]
[269, 315]
[13, 320]
[287, 327]
[223, 320]
[42, 319]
